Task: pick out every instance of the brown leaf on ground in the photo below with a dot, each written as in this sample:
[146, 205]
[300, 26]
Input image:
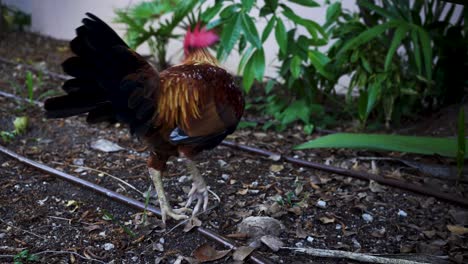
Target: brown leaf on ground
[327, 220]
[457, 230]
[206, 253]
[242, 252]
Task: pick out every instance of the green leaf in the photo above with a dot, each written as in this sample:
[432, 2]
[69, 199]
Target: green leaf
[247, 5]
[426, 51]
[461, 150]
[417, 51]
[259, 64]
[250, 31]
[333, 12]
[297, 110]
[211, 12]
[309, 128]
[269, 86]
[249, 74]
[229, 11]
[268, 28]
[362, 106]
[295, 67]
[245, 124]
[20, 124]
[245, 57]
[365, 64]
[319, 61]
[368, 35]
[373, 96]
[309, 3]
[281, 36]
[379, 10]
[231, 33]
[311, 26]
[400, 33]
[420, 145]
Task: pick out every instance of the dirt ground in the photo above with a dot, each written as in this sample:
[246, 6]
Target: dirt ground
[62, 223]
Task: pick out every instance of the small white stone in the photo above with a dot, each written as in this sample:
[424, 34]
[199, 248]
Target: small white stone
[338, 227]
[299, 244]
[183, 179]
[225, 177]
[103, 234]
[162, 240]
[321, 204]
[254, 184]
[310, 239]
[2, 235]
[134, 258]
[108, 246]
[367, 217]
[402, 213]
[222, 163]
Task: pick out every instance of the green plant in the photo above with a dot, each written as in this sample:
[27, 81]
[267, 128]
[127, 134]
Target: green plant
[154, 22]
[390, 49]
[20, 125]
[447, 147]
[109, 217]
[13, 19]
[25, 256]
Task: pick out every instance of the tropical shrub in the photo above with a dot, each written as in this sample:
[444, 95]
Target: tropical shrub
[402, 56]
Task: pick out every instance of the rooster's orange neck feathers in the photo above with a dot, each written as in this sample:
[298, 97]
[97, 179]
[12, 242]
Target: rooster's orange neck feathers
[200, 56]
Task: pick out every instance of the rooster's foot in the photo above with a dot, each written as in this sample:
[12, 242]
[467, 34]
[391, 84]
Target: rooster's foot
[199, 192]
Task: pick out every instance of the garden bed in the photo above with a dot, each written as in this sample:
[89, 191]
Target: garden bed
[57, 220]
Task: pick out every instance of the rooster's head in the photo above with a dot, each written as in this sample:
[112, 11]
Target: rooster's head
[199, 38]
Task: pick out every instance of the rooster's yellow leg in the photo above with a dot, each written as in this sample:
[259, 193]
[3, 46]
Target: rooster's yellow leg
[166, 209]
[199, 189]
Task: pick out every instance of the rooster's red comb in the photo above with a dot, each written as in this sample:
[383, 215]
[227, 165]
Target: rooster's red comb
[199, 38]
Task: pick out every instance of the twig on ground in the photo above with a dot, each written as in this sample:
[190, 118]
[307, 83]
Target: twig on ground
[22, 230]
[105, 173]
[326, 253]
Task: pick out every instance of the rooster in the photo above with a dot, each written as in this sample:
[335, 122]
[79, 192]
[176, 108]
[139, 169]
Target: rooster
[180, 111]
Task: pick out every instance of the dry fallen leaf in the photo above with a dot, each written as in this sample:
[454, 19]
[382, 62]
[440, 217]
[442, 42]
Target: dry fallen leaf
[205, 253]
[276, 168]
[457, 230]
[191, 223]
[327, 220]
[243, 191]
[273, 242]
[241, 253]
[74, 205]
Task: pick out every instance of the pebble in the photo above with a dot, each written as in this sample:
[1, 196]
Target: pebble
[2, 235]
[254, 184]
[321, 204]
[310, 239]
[78, 162]
[108, 246]
[338, 227]
[222, 163]
[402, 213]
[183, 179]
[367, 217]
[134, 258]
[225, 177]
[299, 244]
[162, 240]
